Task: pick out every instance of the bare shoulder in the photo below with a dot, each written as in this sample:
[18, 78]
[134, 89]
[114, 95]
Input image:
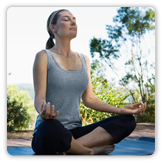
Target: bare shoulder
[41, 57]
[87, 59]
[41, 54]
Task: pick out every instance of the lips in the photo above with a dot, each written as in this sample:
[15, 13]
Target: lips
[73, 29]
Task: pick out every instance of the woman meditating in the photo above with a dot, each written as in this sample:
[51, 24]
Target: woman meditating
[61, 78]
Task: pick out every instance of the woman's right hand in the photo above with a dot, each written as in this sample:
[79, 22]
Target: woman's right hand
[46, 112]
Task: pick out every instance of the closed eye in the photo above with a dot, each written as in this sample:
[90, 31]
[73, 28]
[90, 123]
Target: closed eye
[69, 18]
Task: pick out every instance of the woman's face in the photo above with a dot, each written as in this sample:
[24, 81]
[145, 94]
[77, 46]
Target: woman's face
[66, 25]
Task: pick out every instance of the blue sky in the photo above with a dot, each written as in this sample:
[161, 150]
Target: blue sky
[26, 35]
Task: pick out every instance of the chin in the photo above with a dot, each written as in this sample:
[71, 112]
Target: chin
[73, 36]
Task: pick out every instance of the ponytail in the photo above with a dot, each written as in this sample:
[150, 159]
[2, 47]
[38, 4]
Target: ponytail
[52, 20]
[49, 43]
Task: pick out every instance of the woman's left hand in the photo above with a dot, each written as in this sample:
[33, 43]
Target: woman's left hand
[133, 108]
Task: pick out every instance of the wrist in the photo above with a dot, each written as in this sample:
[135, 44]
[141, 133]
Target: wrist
[118, 110]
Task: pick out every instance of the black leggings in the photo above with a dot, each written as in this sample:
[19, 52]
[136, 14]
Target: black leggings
[51, 136]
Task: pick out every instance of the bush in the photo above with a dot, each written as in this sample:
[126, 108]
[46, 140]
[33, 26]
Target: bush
[19, 109]
[149, 115]
[107, 95]
[105, 92]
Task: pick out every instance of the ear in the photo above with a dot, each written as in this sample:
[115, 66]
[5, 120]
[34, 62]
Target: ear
[52, 27]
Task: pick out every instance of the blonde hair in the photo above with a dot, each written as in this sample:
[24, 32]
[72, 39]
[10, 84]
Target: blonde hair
[52, 20]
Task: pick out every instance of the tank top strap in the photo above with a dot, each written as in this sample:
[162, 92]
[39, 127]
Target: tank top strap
[83, 60]
[49, 57]
[47, 52]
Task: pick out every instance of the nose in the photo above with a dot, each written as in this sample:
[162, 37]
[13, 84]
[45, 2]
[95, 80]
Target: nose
[73, 22]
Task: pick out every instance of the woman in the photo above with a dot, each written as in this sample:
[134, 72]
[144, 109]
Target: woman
[62, 77]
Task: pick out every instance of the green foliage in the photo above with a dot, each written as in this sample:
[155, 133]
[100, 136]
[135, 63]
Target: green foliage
[135, 21]
[20, 109]
[131, 24]
[27, 87]
[104, 48]
[149, 115]
[104, 91]
[107, 52]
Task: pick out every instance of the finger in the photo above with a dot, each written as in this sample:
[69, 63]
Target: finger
[52, 111]
[136, 111]
[137, 104]
[145, 105]
[140, 109]
[56, 115]
[41, 107]
[47, 115]
[143, 108]
[42, 114]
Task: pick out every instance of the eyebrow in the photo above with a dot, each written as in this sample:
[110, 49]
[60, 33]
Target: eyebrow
[68, 17]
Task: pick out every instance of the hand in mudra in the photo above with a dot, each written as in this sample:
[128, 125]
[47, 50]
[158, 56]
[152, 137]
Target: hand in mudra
[46, 112]
[133, 108]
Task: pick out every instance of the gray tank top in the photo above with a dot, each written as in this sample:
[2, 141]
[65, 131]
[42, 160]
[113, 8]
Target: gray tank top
[64, 91]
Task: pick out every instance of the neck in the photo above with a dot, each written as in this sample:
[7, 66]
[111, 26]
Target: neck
[62, 47]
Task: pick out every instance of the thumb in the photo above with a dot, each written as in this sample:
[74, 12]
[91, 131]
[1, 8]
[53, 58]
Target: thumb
[137, 111]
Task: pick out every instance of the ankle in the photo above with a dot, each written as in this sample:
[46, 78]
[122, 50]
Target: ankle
[90, 152]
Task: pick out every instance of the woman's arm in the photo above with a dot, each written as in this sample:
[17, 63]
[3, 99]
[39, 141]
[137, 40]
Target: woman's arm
[92, 102]
[98, 105]
[39, 79]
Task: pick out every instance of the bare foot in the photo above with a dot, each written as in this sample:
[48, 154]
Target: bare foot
[106, 149]
[60, 153]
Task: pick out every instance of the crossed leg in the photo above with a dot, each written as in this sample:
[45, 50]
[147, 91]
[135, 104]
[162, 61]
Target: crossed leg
[95, 142]
[47, 141]
[91, 139]
[98, 137]
[100, 140]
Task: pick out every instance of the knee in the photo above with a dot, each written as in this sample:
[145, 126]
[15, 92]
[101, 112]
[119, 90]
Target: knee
[131, 123]
[49, 126]
[53, 128]
[57, 135]
[51, 123]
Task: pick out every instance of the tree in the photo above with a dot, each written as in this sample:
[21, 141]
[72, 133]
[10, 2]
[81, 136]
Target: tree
[131, 24]
[107, 52]
[136, 25]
